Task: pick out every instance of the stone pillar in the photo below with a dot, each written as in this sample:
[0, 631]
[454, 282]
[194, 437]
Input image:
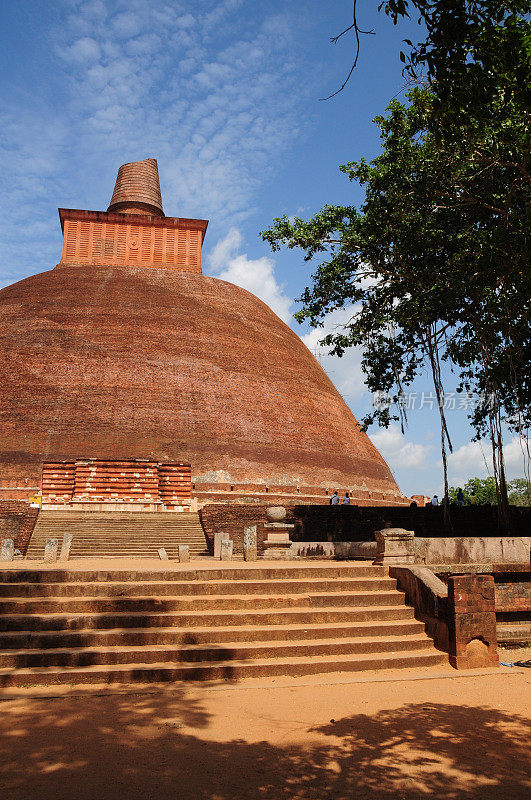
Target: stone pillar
[250, 548]
[472, 622]
[51, 546]
[394, 546]
[226, 549]
[65, 547]
[7, 550]
[162, 554]
[218, 538]
[277, 545]
[184, 552]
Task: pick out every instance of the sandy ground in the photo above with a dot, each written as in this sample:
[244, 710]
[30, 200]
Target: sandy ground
[395, 735]
[391, 735]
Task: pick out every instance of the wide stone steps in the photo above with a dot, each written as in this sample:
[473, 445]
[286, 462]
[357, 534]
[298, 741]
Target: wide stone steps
[187, 604]
[119, 626]
[224, 574]
[193, 653]
[177, 637]
[119, 534]
[225, 670]
[178, 588]
[12, 622]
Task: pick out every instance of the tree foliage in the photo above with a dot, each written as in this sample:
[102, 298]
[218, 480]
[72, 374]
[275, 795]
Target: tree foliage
[520, 492]
[482, 491]
[436, 260]
[477, 491]
[426, 268]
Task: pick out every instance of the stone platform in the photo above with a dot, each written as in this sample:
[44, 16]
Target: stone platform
[128, 534]
[119, 622]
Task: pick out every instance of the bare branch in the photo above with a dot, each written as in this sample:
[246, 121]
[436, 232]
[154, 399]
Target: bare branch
[335, 39]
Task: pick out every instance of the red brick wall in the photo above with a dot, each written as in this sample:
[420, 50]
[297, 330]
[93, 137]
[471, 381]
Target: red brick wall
[17, 521]
[95, 238]
[231, 519]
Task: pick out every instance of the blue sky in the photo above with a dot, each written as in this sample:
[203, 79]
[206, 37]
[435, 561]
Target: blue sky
[226, 96]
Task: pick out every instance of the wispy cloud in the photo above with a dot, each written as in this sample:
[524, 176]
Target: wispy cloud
[398, 451]
[345, 372]
[208, 89]
[256, 275]
[474, 459]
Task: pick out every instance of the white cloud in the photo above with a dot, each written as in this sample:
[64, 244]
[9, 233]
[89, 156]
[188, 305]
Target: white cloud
[256, 275]
[398, 451]
[208, 91]
[474, 459]
[345, 372]
[83, 49]
[127, 25]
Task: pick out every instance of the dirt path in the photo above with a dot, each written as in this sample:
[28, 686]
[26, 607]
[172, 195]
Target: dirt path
[344, 739]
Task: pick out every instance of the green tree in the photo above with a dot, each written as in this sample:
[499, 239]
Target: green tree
[520, 492]
[477, 491]
[437, 257]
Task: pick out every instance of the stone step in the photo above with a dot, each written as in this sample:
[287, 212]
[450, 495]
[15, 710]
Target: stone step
[109, 605]
[178, 636]
[126, 534]
[118, 525]
[194, 653]
[96, 549]
[514, 633]
[259, 572]
[125, 551]
[130, 552]
[127, 544]
[172, 553]
[118, 534]
[164, 587]
[136, 537]
[118, 528]
[72, 621]
[96, 533]
[72, 514]
[219, 670]
[89, 535]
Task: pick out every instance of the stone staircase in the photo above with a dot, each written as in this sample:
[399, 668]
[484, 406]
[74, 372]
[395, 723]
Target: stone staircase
[121, 534]
[111, 626]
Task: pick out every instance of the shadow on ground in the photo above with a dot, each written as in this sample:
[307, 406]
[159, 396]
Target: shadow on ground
[159, 746]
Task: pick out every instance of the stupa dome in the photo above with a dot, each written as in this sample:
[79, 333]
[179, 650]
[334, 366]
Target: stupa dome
[125, 352]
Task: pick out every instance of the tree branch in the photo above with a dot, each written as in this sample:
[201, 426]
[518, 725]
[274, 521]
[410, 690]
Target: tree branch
[335, 39]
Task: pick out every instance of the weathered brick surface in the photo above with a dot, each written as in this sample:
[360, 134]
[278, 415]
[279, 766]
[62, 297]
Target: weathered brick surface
[472, 621]
[17, 521]
[469, 593]
[514, 596]
[93, 480]
[94, 238]
[232, 519]
[137, 182]
[121, 363]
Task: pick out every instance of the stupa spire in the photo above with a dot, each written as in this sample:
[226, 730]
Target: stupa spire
[137, 189]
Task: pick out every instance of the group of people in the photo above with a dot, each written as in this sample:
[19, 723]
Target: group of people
[335, 501]
[460, 497]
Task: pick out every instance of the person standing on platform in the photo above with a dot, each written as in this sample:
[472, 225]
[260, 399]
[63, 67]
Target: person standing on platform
[346, 499]
[334, 500]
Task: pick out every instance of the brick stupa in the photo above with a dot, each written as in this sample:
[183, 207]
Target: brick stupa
[125, 351]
